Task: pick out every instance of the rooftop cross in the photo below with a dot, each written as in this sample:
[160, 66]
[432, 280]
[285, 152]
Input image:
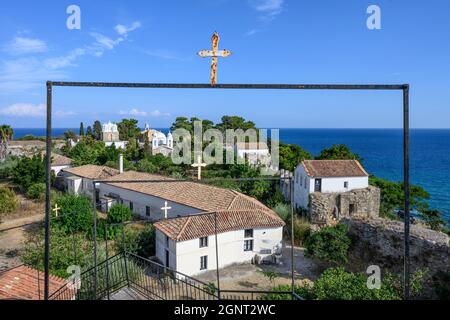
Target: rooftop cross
[56, 210]
[199, 166]
[165, 209]
[214, 54]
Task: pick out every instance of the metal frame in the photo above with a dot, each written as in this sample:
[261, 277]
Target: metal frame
[399, 87]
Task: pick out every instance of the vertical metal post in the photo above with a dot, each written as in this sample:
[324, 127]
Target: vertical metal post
[94, 206]
[406, 189]
[291, 180]
[48, 160]
[125, 254]
[217, 255]
[107, 258]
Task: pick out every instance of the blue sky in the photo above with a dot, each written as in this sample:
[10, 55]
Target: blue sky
[273, 41]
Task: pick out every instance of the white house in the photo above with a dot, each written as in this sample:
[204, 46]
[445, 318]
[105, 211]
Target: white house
[327, 176]
[191, 205]
[60, 162]
[188, 244]
[110, 135]
[79, 180]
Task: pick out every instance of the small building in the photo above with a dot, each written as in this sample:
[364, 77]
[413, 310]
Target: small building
[333, 189]
[25, 283]
[188, 244]
[110, 136]
[159, 142]
[79, 180]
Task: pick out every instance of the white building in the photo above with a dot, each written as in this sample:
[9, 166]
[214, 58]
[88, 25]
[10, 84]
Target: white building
[327, 176]
[60, 162]
[110, 135]
[79, 180]
[146, 195]
[159, 142]
[188, 244]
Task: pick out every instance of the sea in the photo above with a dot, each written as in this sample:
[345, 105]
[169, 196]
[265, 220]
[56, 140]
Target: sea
[381, 150]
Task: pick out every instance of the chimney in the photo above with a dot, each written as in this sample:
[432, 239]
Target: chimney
[120, 163]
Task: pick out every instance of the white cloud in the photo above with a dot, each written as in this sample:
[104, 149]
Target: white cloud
[269, 8]
[22, 74]
[124, 30]
[30, 110]
[25, 110]
[139, 113]
[251, 32]
[21, 45]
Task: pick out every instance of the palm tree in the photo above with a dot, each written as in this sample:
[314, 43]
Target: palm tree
[6, 134]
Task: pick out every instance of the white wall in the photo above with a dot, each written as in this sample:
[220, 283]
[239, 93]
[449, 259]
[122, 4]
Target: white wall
[231, 249]
[140, 201]
[329, 185]
[57, 169]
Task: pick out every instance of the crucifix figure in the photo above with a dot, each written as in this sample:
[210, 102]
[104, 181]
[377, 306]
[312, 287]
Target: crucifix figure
[214, 54]
[56, 210]
[165, 209]
[199, 166]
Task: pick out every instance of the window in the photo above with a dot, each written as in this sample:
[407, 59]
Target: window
[305, 183]
[203, 242]
[167, 241]
[346, 184]
[296, 177]
[248, 245]
[248, 233]
[300, 178]
[131, 206]
[147, 211]
[203, 262]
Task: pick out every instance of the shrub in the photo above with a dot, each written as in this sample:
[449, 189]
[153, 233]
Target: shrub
[283, 210]
[8, 201]
[29, 171]
[119, 213]
[36, 191]
[337, 284]
[302, 230]
[141, 242]
[76, 213]
[329, 244]
[7, 167]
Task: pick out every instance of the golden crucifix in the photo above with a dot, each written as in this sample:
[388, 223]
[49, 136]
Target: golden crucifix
[214, 54]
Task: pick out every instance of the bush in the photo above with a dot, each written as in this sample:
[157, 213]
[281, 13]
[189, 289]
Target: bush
[329, 244]
[337, 284]
[302, 230]
[29, 171]
[141, 243]
[119, 213]
[283, 210]
[7, 167]
[8, 201]
[76, 214]
[36, 191]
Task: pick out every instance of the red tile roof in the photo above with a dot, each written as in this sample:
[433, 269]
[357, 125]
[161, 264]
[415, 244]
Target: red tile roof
[334, 168]
[92, 171]
[202, 225]
[25, 283]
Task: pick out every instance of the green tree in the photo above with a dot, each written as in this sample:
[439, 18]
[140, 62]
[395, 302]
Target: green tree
[97, 130]
[76, 214]
[119, 213]
[338, 152]
[89, 132]
[291, 155]
[36, 191]
[235, 122]
[128, 129]
[8, 201]
[81, 129]
[329, 244]
[69, 134]
[433, 218]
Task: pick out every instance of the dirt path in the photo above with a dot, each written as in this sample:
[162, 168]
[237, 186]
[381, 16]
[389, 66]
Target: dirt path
[12, 238]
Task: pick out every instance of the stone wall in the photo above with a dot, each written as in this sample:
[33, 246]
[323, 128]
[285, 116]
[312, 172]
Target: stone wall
[381, 242]
[325, 208]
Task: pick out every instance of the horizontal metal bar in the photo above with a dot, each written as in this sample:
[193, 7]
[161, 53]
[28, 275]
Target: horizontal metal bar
[268, 178]
[231, 86]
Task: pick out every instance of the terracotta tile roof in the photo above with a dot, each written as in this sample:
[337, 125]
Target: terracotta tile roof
[92, 171]
[334, 168]
[202, 225]
[23, 283]
[60, 160]
[192, 194]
